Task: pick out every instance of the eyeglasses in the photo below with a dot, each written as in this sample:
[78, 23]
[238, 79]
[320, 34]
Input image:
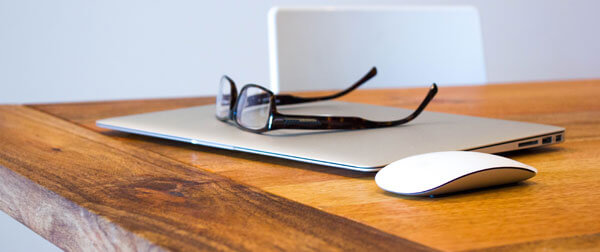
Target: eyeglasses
[228, 96]
[254, 109]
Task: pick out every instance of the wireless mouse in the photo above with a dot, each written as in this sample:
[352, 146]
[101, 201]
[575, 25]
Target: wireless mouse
[450, 171]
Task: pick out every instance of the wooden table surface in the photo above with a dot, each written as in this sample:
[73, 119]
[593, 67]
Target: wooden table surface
[86, 188]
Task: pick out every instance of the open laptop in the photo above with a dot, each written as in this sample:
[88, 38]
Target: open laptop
[360, 150]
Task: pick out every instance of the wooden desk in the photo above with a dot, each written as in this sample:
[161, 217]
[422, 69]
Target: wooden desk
[86, 188]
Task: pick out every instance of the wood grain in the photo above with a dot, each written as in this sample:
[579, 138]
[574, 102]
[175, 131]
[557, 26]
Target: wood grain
[62, 221]
[557, 209]
[85, 191]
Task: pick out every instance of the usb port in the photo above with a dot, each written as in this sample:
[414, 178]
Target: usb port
[558, 138]
[528, 143]
[547, 140]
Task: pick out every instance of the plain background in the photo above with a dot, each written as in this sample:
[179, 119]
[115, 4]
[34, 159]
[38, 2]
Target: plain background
[76, 50]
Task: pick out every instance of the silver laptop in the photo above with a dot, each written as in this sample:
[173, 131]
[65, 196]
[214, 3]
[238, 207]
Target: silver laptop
[360, 150]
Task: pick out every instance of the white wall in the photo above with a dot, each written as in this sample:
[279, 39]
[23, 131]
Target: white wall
[71, 50]
[16, 237]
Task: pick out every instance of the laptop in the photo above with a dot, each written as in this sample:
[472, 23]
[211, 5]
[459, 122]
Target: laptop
[365, 150]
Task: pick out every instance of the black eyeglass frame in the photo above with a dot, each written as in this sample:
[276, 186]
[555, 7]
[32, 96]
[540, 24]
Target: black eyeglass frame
[284, 99]
[282, 121]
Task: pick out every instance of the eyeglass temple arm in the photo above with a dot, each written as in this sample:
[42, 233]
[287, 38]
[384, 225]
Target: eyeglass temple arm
[281, 121]
[290, 99]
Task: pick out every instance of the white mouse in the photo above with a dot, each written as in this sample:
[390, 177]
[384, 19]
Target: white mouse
[450, 171]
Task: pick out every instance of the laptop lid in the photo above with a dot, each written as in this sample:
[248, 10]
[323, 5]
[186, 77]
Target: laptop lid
[361, 150]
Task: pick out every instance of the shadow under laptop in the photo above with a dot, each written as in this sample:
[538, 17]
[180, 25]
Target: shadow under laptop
[532, 151]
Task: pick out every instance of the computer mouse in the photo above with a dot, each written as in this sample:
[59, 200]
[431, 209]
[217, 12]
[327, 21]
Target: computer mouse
[450, 171]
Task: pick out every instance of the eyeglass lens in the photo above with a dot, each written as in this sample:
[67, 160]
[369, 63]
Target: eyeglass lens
[224, 98]
[253, 108]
